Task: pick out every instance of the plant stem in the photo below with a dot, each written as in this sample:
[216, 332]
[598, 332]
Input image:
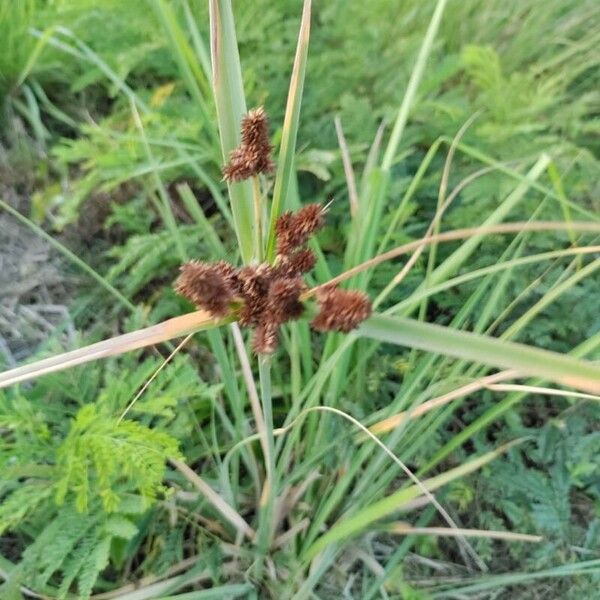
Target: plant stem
[265, 525]
[258, 242]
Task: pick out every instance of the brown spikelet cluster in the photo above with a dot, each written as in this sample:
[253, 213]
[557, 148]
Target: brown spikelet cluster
[341, 310]
[284, 299]
[210, 286]
[253, 155]
[269, 295]
[265, 338]
[294, 229]
[297, 263]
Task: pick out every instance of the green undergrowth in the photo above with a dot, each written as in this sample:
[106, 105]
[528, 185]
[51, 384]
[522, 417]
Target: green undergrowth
[91, 498]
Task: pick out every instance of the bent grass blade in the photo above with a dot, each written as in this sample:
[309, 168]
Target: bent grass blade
[454, 235]
[353, 525]
[167, 330]
[402, 528]
[566, 370]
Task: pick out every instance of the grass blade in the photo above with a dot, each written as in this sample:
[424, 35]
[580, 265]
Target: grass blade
[69, 255]
[369, 514]
[167, 330]
[493, 269]
[413, 84]
[269, 492]
[285, 164]
[194, 208]
[457, 258]
[552, 366]
[348, 170]
[231, 106]
[394, 421]
[227, 511]
[511, 579]
[231, 591]
[402, 528]
[191, 72]
[453, 235]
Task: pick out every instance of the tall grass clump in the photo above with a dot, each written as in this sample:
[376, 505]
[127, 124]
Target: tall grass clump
[320, 425]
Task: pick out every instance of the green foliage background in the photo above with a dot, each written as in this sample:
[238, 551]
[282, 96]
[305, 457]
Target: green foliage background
[87, 500]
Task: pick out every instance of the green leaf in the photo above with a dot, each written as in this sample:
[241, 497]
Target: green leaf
[100, 454]
[526, 360]
[413, 84]
[285, 165]
[119, 526]
[353, 525]
[216, 593]
[231, 106]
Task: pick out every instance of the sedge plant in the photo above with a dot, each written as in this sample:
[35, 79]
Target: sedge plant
[288, 486]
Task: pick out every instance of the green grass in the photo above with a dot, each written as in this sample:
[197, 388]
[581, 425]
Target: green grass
[279, 490]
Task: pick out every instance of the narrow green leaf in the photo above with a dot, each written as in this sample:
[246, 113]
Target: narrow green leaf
[269, 492]
[353, 525]
[197, 40]
[231, 106]
[215, 593]
[527, 360]
[484, 584]
[69, 255]
[555, 178]
[589, 347]
[195, 210]
[367, 226]
[285, 165]
[501, 167]
[191, 72]
[413, 84]
[458, 258]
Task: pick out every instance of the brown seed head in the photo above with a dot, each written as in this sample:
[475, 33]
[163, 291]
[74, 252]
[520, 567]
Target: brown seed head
[255, 129]
[341, 310]
[254, 288]
[283, 302]
[229, 274]
[303, 261]
[287, 240]
[294, 229]
[270, 295]
[310, 218]
[255, 279]
[253, 155]
[297, 263]
[207, 286]
[237, 169]
[265, 338]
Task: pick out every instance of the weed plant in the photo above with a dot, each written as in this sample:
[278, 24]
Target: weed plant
[390, 461]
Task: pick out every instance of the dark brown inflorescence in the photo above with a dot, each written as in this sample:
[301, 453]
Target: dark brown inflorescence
[341, 310]
[283, 303]
[298, 263]
[265, 338]
[294, 229]
[211, 286]
[253, 155]
[269, 295]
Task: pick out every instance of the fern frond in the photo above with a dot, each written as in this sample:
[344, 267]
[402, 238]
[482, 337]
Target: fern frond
[92, 566]
[80, 550]
[20, 502]
[149, 256]
[101, 455]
